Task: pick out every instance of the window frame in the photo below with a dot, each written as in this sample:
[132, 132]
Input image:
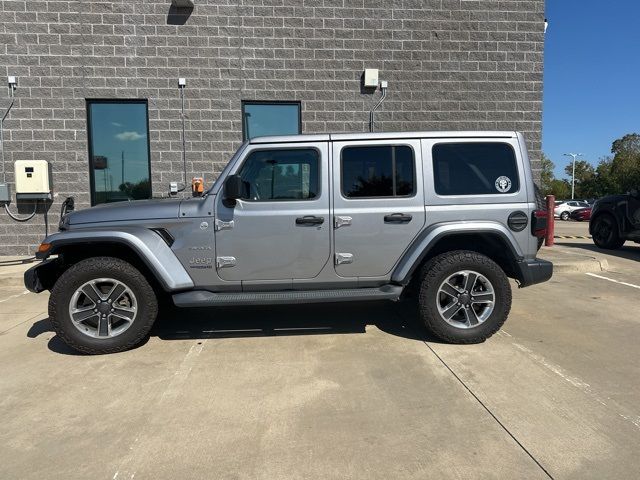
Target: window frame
[244, 103]
[243, 161]
[475, 141]
[414, 179]
[88, 103]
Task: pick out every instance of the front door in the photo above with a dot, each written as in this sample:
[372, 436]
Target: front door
[280, 229]
[378, 204]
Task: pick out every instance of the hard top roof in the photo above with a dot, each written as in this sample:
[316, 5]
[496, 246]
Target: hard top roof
[337, 137]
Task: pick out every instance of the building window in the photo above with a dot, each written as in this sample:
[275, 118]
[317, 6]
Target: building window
[474, 168]
[378, 171]
[273, 175]
[119, 161]
[270, 118]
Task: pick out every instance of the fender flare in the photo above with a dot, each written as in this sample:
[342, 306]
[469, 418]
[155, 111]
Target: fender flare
[425, 241]
[145, 243]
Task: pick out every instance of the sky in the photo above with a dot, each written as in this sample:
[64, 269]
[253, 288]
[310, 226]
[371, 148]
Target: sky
[591, 77]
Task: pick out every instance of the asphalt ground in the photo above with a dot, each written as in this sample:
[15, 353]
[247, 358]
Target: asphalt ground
[335, 391]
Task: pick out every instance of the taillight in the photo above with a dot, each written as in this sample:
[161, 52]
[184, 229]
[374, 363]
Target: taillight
[539, 223]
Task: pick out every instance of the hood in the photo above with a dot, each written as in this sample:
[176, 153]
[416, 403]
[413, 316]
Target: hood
[126, 211]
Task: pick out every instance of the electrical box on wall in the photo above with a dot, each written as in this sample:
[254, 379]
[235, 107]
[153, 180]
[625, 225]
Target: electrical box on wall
[371, 78]
[33, 180]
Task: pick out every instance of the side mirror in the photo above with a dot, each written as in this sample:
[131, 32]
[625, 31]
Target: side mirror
[634, 192]
[233, 189]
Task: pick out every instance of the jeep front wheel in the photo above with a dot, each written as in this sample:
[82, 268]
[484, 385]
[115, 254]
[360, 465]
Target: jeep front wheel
[465, 297]
[102, 305]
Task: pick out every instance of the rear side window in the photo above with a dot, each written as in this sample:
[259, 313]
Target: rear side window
[474, 168]
[378, 171]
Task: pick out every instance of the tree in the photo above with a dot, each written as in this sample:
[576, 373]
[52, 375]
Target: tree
[625, 165]
[561, 189]
[585, 176]
[546, 174]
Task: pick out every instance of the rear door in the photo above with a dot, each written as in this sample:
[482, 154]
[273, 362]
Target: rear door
[378, 200]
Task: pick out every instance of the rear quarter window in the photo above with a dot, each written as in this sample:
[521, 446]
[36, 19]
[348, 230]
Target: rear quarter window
[480, 168]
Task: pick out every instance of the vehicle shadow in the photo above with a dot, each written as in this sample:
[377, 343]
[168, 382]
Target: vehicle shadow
[398, 319]
[630, 251]
[279, 320]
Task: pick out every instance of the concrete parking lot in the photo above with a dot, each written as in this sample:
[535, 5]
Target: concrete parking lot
[336, 391]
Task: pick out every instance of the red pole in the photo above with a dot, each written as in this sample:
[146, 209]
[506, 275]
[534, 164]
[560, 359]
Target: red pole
[551, 204]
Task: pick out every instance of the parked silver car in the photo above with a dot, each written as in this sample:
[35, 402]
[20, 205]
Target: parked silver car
[563, 209]
[310, 218]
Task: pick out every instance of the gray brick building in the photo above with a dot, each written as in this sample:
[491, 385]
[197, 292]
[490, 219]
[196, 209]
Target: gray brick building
[450, 64]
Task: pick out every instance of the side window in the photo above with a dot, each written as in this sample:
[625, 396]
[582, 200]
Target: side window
[273, 175]
[378, 171]
[480, 168]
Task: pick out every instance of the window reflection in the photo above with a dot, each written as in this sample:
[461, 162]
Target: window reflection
[270, 118]
[119, 151]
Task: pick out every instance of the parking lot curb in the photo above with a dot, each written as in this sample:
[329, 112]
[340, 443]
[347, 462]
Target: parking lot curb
[567, 261]
[573, 237]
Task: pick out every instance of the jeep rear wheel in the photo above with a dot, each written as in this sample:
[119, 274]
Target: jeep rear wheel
[605, 233]
[465, 297]
[102, 305]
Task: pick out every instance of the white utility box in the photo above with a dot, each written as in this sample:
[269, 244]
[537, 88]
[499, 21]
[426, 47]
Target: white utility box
[33, 180]
[371, 78]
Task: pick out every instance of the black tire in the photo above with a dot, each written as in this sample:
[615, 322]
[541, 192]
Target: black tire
[86, 271]
[564, 216]
[439, 269]
[605, 232]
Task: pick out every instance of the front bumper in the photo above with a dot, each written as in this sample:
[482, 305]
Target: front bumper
[41, 276]
[535, 271]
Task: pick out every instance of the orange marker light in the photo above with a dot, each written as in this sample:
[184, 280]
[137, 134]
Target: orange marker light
[44, 247]
[197, 186]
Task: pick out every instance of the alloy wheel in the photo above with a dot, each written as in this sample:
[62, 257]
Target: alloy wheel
[465, 299]
[103, 308]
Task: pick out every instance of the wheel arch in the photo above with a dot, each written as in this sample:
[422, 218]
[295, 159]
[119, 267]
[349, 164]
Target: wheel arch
[143, 248]
[494, 241]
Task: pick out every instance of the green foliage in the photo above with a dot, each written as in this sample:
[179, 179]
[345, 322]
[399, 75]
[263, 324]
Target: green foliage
[546, 174]
[625, 165]
[617, 174]
[561, 189]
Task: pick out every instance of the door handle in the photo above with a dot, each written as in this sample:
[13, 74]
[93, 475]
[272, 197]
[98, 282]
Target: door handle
[309, 220]
[397, 218]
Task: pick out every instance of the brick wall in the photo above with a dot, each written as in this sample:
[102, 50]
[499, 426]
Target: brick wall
[451, 64]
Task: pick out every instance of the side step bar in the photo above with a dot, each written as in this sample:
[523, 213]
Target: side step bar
[203, 298]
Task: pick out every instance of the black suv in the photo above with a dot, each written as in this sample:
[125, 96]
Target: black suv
[615, 219]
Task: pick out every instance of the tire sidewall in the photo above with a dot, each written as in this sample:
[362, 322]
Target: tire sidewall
[612, 239]
[92, 269]
[502, 291]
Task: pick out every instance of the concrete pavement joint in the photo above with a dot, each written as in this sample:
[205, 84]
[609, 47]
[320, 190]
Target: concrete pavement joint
[23, 322]
[524, 449]
[14, 296]
[576, 382]
[127, 467]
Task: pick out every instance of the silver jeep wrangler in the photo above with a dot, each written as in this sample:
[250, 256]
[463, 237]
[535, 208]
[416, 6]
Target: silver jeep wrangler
[448, 216]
